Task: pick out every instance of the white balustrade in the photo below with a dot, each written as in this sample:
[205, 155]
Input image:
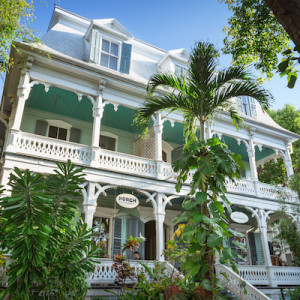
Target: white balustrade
[242, 186]
[104, 273]
[254, 274]
[285, 275]
[260, 275]
[48, 148]
[120, 162]
[237, 285]
[53, 149]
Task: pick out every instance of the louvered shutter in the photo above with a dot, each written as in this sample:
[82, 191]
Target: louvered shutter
[75, 135]
[117, 236]
[252, 107]
[41, 127]
[253, 253]
[125, 58]
[176, 153]
[259, 249]
[95, 47]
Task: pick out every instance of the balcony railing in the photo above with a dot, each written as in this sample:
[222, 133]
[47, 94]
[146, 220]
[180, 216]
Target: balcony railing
[53, 149]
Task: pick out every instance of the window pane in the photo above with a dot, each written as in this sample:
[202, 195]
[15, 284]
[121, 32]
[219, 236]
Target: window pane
[114, 49]
[111, 144]
[62, 134]
[105, 46]
[104, 60]
[53, 131]
[113, 63]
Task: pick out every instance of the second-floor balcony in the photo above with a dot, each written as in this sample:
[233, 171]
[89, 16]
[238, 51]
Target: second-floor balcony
[49, 148]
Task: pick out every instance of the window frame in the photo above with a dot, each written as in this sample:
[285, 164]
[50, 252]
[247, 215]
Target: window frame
[111, 135]
[111, 40]
[59, 124]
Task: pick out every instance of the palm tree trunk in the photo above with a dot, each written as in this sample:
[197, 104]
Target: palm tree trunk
[202, 131]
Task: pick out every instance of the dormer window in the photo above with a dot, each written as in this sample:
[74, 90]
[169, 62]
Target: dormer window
[110, 53]
[180, 70]
[247, 106]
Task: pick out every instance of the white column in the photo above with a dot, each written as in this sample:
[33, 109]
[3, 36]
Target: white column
[4, 181]
[90, 204]
[263, 228]
[97, 115]
[251, 155]
[287, 160]
[159, 216]
[158, 128]
[22, 95]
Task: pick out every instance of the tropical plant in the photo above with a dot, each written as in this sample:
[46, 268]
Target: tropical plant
[203, 92]
[199, 95]
[15, 16]
[122, 266]
[50, 251]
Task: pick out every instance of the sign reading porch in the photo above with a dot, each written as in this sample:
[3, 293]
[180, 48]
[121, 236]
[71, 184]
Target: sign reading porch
[239, 217]
[127, 200]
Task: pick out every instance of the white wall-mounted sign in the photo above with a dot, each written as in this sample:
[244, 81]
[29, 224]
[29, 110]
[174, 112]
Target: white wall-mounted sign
[127, 200]
[239, 217]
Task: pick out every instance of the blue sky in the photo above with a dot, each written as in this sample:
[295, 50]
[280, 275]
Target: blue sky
[168, 24]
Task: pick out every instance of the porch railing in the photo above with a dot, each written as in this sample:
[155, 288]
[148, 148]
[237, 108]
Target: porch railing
[49, 148]
[237, 285]
[274, 276]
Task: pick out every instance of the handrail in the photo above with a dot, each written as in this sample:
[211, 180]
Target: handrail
[237, 285]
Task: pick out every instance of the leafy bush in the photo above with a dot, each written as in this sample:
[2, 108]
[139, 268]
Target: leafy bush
[50, 250]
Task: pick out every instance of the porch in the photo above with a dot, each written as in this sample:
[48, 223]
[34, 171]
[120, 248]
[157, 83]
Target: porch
[104, 273]
[29, 144]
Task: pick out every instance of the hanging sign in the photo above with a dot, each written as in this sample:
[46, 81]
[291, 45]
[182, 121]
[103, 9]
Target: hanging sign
[127, 200]
[239, 217]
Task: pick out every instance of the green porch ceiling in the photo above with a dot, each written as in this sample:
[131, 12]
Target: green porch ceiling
[65, 103]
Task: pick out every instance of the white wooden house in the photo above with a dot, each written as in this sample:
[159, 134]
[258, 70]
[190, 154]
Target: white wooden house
[75, 97]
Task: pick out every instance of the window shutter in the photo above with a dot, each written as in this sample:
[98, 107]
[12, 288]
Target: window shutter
[125, 58]
[117, 236]
[95, 47]
[253, 107]
[75, 135]
[41, 127]
[176, 153]
[259, 249]
[253, 253]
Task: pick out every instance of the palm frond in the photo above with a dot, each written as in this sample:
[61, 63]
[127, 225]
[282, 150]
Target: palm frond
[167, 80]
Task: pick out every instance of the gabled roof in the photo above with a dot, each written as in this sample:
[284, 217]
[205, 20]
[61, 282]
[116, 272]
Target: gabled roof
[180, 55]
[112, 25]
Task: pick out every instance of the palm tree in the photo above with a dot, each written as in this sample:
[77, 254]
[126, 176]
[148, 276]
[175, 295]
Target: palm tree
[203, 92]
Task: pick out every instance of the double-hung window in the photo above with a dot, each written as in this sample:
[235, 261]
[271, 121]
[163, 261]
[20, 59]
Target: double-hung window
[109, 54]
[58, 133]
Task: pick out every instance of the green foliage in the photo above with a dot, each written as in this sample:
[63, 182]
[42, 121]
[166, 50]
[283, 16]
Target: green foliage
[290, 235]
[163, 286]
[206, 223]
[50, 253]
[286, 67]
[15, 17]
[203, 92]
[289, 118]
[254, 36]
[273, 172]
